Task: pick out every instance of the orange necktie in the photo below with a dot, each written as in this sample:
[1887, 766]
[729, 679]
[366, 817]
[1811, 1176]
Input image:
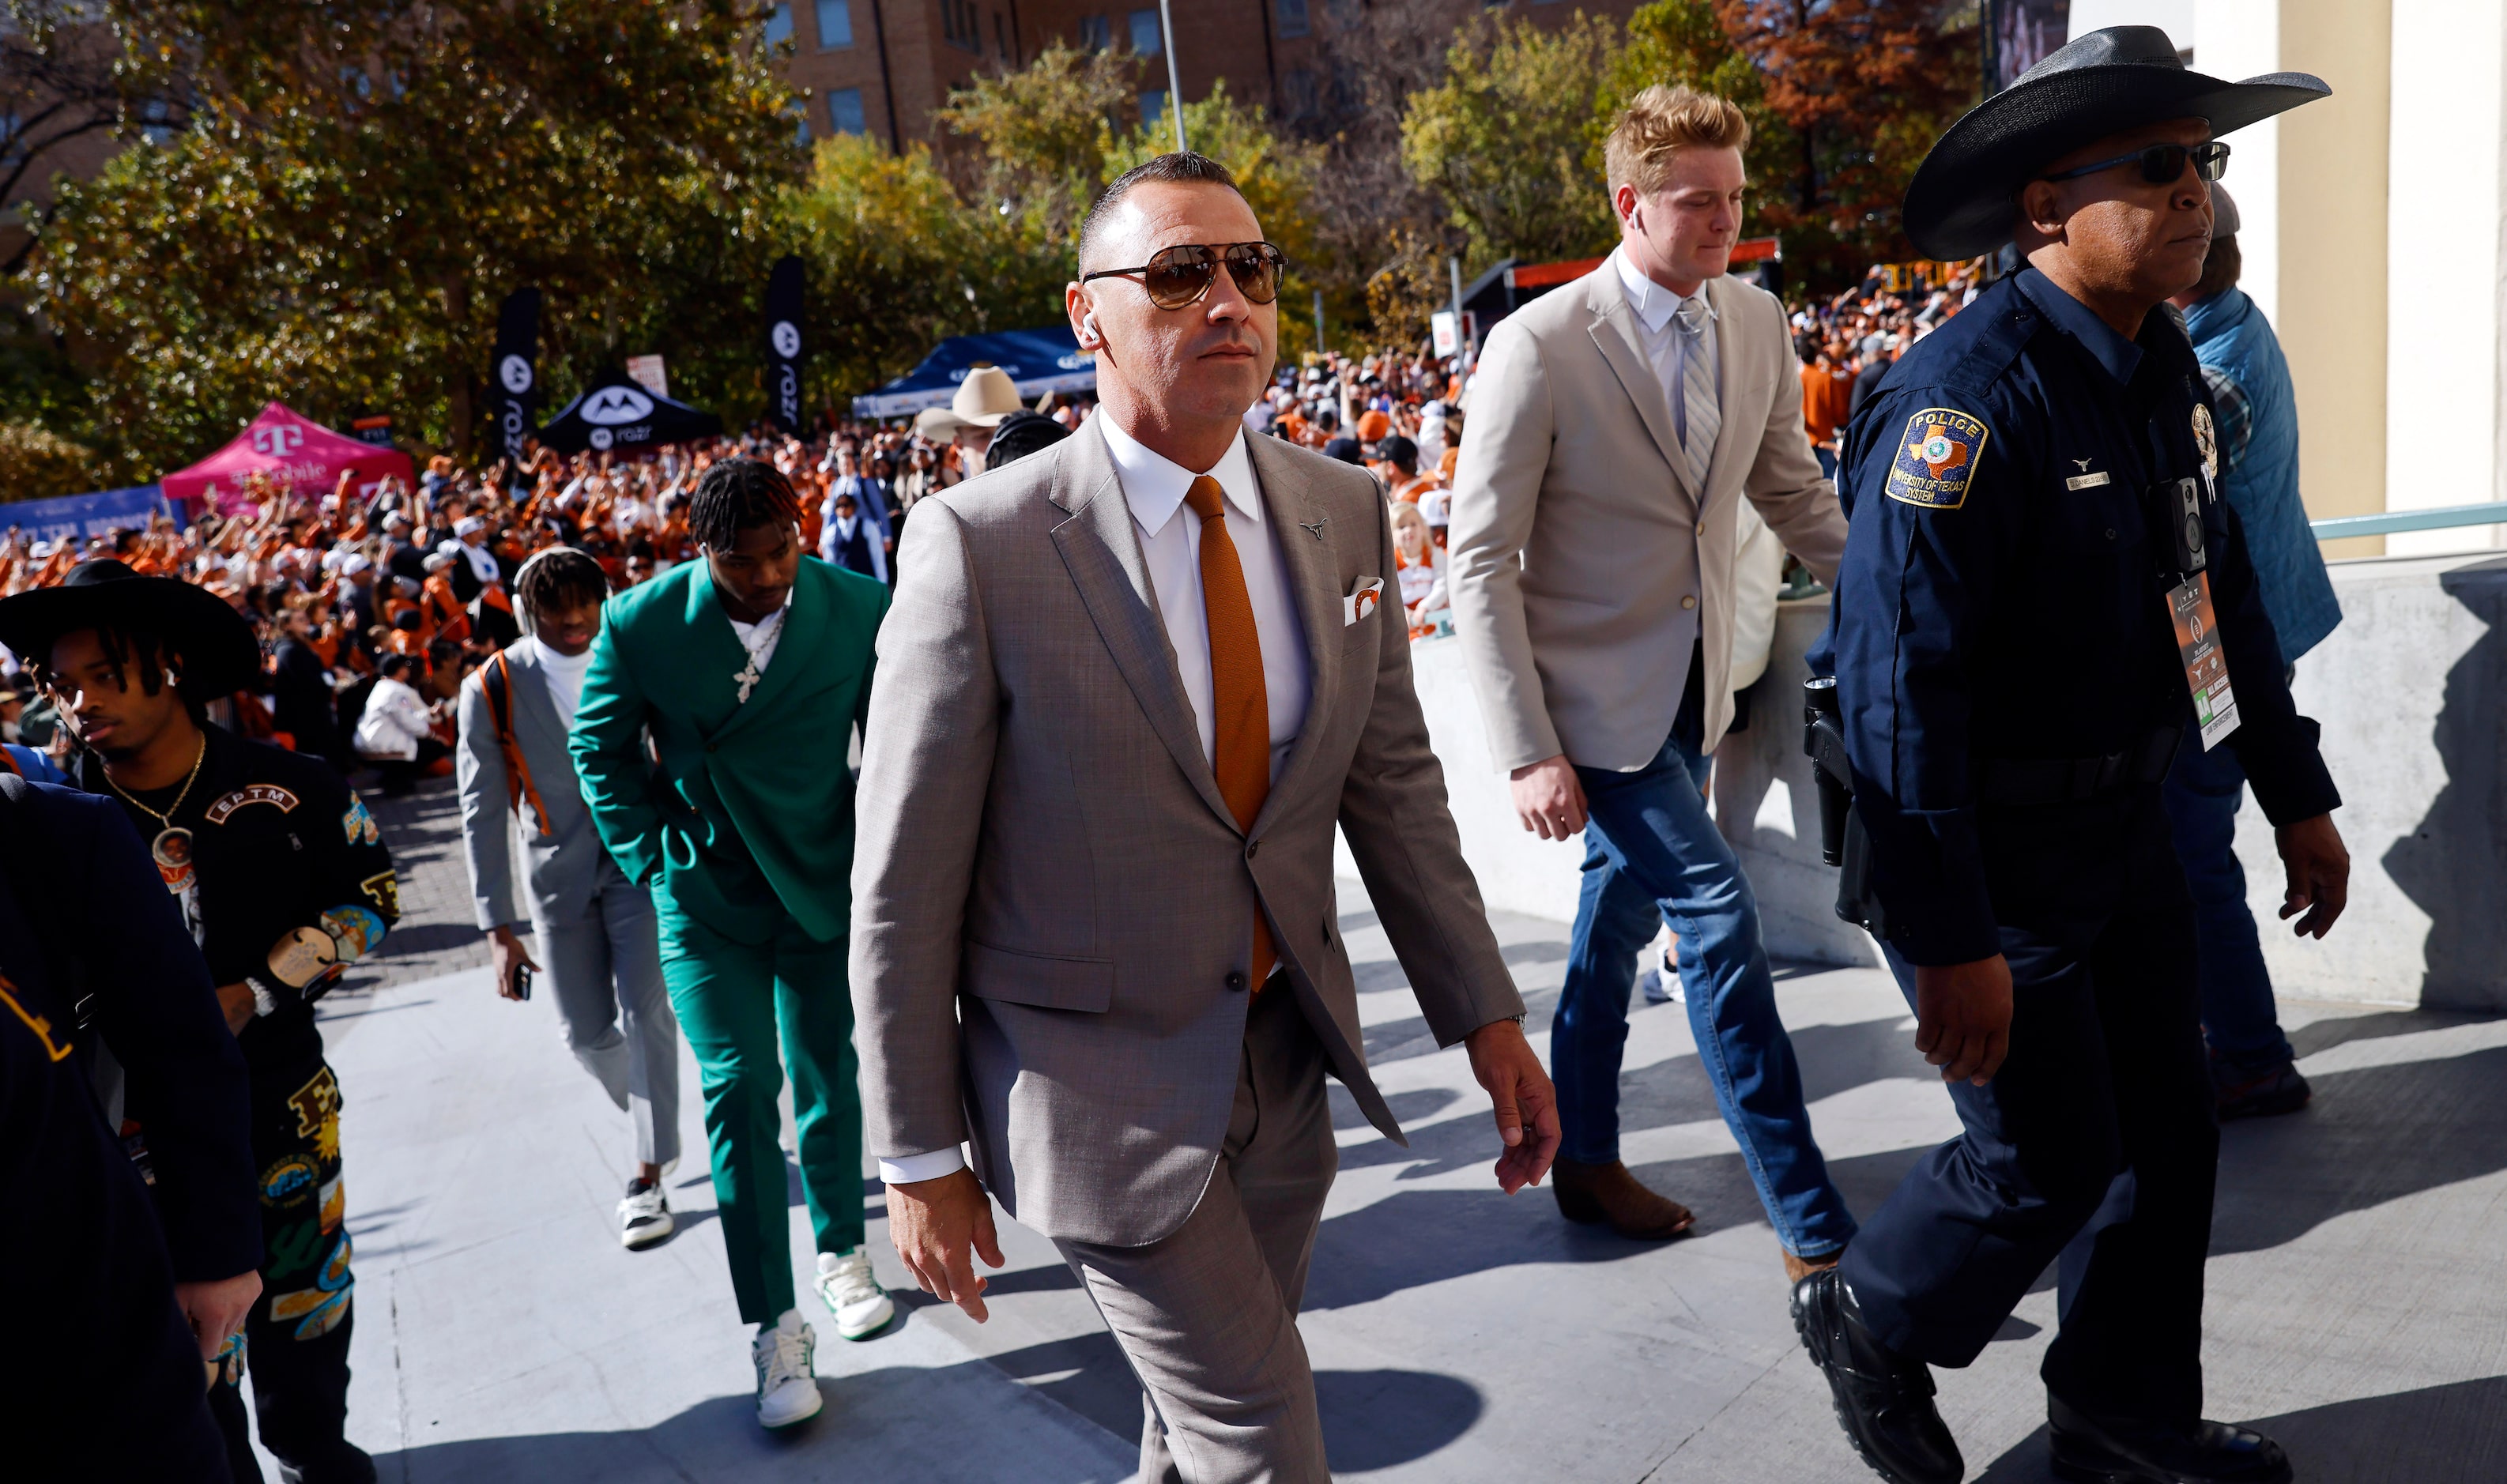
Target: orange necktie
[1240, 711]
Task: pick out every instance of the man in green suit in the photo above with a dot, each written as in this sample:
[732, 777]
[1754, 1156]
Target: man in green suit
[748, 669]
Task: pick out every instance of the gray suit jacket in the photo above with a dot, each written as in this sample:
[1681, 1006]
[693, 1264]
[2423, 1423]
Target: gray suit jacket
[1053, 907]
[563, 869]
[1580, 551]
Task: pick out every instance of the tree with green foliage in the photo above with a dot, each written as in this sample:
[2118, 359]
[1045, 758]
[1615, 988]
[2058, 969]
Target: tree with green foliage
[365, 180]
[899, 262]
[1506, 143]
[1041, 133]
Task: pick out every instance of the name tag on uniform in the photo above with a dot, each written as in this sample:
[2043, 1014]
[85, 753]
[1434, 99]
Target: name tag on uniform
[2206, 668]
[2085, 480]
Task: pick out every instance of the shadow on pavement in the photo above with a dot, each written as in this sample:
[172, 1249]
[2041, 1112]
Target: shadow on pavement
[877, 1425]
[2370, 1137]
[2440, 1434]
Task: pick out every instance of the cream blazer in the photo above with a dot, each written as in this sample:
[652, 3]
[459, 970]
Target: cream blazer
[1578, 543]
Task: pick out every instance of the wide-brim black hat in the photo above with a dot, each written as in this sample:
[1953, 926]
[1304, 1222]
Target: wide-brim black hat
[1966, 192]
[216, 643]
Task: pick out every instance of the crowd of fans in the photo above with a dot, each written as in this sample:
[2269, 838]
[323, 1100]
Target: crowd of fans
[371, 608]
[1847, 343]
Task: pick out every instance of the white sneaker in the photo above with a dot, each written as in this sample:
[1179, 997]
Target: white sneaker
[644, 1217]
[787, 1386]
[861, 1307]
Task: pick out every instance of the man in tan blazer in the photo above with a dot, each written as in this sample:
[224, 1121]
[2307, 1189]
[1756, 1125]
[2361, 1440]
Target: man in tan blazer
[1129, 687]
[1617, 426]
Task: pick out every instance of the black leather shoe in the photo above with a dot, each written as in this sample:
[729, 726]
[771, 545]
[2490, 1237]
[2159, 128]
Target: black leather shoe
[2088, 1450]
[1884, 1400]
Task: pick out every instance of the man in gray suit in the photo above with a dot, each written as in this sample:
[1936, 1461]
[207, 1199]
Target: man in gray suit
[1130, 685]
[596, 929]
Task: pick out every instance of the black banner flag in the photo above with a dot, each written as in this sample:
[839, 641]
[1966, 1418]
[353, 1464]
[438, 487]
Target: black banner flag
[783, 344]
[517, 371]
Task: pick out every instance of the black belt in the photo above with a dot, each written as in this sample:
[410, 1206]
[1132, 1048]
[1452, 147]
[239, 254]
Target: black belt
[2025, 782]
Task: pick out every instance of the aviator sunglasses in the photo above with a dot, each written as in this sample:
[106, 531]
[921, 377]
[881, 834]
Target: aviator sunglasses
[1178, 276]
[2162, 163]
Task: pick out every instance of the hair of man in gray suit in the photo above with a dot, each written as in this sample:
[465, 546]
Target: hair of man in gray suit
[562, 590]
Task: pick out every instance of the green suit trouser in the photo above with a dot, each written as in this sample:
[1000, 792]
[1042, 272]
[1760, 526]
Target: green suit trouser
[732, 999]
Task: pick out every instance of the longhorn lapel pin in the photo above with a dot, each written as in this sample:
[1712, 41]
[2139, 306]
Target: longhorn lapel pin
[1315, 528]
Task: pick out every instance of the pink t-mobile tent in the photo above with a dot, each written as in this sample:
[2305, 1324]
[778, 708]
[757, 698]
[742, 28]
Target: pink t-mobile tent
[293, 453]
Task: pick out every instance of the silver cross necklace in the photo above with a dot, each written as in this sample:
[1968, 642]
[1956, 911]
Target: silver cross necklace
[755, 644]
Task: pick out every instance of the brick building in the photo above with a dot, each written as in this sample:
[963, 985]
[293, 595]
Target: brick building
[880, 66]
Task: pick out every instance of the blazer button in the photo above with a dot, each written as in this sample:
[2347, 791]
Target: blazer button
[1251, 846]
[710, 746]
[1688, 602]
[1236, 979]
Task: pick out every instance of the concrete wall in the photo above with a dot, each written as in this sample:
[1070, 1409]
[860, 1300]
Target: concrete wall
[2409, 691]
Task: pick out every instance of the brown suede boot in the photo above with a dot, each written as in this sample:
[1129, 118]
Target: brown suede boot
[1799, 1268]
[1607, 1195]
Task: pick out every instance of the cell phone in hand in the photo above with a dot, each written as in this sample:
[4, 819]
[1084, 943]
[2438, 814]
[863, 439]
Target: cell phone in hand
[522, 981]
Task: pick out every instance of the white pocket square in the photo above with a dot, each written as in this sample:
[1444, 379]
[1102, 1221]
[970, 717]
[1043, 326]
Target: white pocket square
[1361, 603]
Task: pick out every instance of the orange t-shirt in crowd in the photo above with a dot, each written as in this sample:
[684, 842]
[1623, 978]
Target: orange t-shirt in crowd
[1373, 426]
[1816, 421]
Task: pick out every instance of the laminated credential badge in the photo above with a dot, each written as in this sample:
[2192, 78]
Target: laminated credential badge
[1937, 458]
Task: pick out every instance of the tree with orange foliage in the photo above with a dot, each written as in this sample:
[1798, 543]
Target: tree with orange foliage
[1864, 86]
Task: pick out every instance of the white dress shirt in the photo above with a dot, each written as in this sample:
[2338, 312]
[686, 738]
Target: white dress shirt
[1155, 487]
[1667, 349]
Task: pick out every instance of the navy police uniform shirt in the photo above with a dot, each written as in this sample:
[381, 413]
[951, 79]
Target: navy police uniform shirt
[2002, 593]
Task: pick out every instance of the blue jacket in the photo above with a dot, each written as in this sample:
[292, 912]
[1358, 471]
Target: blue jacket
[2259, 471]
[2001, 597]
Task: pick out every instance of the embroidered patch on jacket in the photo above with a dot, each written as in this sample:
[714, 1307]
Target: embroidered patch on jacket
[1937, 458]
[255, 793]
[360, 825]
[383, 889]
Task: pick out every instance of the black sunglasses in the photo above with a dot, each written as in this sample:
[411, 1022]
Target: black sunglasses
[1178, 276]
[2162, 163]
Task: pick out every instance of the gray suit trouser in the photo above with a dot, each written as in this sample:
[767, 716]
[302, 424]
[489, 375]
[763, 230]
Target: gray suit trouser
[1208, 1317]
[603, 969]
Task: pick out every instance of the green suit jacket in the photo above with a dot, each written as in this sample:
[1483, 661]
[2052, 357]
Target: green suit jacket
[750, 816]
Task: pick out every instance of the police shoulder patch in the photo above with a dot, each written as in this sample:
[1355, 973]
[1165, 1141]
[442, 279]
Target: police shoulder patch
[1937, 458]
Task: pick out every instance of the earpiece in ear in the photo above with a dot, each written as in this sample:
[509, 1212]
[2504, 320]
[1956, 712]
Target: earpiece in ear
[169, 678]
[1088, 329]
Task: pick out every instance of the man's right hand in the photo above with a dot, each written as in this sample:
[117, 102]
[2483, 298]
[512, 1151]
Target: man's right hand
[216, 1310]
[934, 1223]
[1548, 798]
[505, 952]
[1963, 1017]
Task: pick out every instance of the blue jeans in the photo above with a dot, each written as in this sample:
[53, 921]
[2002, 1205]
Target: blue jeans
[1651, 849]
[2202, 794]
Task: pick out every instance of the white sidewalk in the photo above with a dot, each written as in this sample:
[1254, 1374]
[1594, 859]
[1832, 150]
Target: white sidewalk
[2356, 1304]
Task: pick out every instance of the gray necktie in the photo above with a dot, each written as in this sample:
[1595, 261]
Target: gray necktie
[1695, 324]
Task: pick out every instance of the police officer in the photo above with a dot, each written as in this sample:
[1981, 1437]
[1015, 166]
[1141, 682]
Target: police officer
[283, 879]
[2040, 587]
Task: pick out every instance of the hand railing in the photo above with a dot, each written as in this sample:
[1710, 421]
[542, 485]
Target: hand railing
[2335, 527]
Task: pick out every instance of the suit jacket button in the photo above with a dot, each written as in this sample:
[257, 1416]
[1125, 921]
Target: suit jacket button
[1236, 979]
[709, 746]
[1688, 603]
[1250, 847]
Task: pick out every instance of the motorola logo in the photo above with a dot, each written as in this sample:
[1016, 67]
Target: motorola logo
[516, 372]
[787, 337]
[612, 406]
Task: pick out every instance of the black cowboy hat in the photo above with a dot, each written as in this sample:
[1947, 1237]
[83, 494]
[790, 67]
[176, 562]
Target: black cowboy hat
[216, 643]
[2124, 77]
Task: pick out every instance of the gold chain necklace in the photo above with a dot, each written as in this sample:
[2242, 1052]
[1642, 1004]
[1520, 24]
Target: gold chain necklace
[165, 819]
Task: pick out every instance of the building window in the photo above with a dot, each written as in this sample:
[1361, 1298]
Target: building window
[1292, 17]
[1095, 33]
[1001, 36]
[1153, 107]
[801, 123]
[779, 24]
[153, 124]
[835, 24]
[961, 26]
[845, 111]
[1146, 39]
[1297, 93]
